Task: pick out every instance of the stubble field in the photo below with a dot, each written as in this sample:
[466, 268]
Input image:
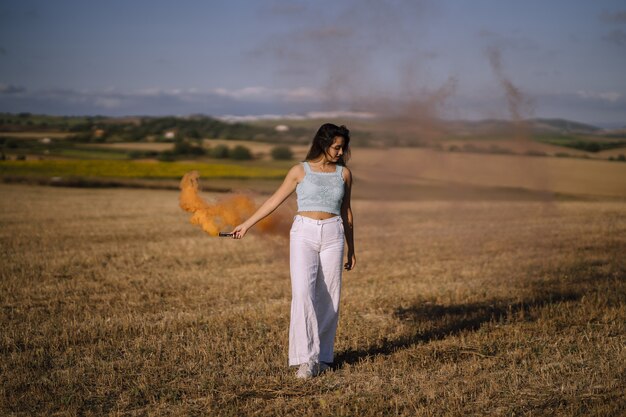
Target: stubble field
[113, 304]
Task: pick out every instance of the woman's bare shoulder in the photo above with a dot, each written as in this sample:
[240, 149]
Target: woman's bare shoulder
[297, 168]
[346, 173]
[296, 172]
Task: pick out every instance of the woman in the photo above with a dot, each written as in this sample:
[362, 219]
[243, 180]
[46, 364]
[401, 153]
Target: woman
[323, 186]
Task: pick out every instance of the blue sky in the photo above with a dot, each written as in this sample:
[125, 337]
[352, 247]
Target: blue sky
[241, 57]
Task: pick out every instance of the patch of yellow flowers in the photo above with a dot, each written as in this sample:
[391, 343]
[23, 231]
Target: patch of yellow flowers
[133, 169]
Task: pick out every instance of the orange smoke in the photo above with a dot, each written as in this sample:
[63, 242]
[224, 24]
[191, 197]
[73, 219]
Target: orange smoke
[226, 213]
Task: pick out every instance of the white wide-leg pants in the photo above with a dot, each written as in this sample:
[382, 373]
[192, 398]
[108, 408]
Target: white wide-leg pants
[316, 257]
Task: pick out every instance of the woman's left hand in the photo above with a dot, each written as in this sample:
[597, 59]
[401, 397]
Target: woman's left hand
[349, 266]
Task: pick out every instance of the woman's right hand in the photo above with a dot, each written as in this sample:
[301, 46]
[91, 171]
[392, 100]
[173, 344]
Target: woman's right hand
[239, 231]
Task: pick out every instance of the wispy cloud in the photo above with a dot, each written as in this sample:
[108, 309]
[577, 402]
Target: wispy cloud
[304, 116]
[108, 102]
[251, 100]
[11, 89]
[610, 96]
[300, 94]
[250, 104]
[111, 98]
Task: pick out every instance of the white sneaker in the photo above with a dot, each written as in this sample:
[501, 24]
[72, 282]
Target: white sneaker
[305, 371]
[310, 369]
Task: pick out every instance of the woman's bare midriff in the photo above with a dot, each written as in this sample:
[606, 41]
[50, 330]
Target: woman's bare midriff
[316, 215]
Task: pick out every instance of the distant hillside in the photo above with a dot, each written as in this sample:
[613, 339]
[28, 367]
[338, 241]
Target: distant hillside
[563, 126]
[131, 129]
[370, 132]
[498, 126]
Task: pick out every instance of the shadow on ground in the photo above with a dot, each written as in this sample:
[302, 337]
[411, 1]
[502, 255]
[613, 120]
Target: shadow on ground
[431, 321]
[428, 321]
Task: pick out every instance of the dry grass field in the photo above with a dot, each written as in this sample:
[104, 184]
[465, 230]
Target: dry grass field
[113, 304]
[418, 171]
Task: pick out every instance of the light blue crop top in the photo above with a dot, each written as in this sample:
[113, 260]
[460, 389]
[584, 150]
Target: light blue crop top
[320, 191]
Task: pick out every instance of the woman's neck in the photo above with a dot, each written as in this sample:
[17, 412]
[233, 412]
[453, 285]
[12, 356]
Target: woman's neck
[322, 162]
[323, 165]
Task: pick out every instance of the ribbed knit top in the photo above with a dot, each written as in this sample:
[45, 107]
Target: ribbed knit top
[320, 191]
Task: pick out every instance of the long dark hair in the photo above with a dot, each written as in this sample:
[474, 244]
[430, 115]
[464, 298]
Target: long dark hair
[325, 137]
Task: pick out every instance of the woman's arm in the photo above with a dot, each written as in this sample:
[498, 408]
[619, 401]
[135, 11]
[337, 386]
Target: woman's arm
[346, 217]
[287, 187]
